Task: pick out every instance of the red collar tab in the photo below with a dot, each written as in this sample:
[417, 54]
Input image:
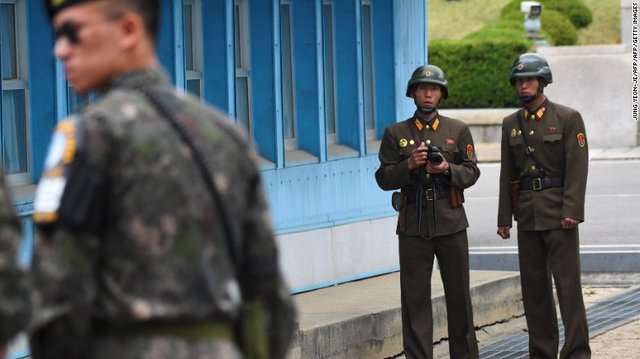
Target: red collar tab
[535, 114]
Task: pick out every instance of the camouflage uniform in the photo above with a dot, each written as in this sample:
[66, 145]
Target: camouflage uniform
[142, 267]
[14, 286]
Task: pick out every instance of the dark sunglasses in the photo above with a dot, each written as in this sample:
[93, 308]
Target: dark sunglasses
[70, 31]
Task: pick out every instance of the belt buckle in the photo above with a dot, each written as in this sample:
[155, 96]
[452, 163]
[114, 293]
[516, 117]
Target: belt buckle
[537, 184]
[430, 194]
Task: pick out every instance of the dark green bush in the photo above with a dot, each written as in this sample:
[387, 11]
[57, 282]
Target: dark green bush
[559, 29]
[575, 10]
[507, 30]
[579, 14]
[511, 8]
[478, 71]
[557, 26]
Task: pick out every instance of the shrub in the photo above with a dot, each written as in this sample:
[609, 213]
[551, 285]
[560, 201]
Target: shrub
[507, 30]
[510, 9]
[575, 10]
[559, 29]
[478, 71]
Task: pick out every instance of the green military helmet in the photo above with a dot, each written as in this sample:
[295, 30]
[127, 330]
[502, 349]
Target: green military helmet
[531, 65]
[429, 74]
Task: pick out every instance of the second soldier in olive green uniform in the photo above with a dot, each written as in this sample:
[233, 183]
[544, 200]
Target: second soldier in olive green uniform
[431, 159]
[154, 238]
[543, 177]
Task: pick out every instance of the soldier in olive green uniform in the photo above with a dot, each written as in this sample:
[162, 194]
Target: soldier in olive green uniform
[154, 239]
[432, 220]
[15, 306]
[543, 177]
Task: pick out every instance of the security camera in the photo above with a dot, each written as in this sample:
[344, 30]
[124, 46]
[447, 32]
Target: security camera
[532, 9]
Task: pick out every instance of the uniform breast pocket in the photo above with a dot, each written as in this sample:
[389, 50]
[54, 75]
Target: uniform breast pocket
[516, 141]
[516, 145]
[553, 145]
[451, 153]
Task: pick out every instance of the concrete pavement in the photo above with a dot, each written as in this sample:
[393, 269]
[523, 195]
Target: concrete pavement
[362, 319]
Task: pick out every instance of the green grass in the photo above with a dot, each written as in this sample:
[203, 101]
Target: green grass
[605, 28]
[455, 19]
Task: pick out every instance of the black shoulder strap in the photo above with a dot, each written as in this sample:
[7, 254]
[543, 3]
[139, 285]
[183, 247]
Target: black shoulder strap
[168, 104]
[528, 149]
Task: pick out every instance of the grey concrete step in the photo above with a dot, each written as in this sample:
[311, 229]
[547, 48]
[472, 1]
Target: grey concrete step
[363, 319]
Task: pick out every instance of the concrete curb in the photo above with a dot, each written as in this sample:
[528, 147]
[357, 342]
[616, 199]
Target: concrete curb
[363, 319]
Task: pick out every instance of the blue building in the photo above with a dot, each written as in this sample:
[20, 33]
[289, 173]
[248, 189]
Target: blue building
[314, 82]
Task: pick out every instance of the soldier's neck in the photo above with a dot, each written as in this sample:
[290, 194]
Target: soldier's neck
[536, 103]
[426, 116]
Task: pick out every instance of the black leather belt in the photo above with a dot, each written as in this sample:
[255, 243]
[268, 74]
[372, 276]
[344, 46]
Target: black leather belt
[538, 184]
[429, 194]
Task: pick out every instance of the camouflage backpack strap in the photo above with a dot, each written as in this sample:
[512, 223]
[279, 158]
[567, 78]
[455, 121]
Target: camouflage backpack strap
[169, 105]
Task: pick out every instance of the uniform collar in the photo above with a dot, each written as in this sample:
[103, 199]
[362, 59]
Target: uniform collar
[421, 124]
[537, 113]
[140, 78]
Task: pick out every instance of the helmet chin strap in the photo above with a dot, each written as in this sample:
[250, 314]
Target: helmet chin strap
[526, 100]
[425, 110]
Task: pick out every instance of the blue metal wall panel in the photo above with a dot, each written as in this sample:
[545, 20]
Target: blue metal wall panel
[325, 194]
[348, 60]
[166, 38]
[410, 29]
[302, 197]
[178, 70]
[218, 52]
[265, 79]
[383, 53]
[42, 89]
[309, 84]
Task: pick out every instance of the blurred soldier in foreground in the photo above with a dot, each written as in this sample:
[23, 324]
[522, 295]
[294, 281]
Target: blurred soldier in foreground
[14, 290]
[431, 159]
[543, 178]
[154, 239]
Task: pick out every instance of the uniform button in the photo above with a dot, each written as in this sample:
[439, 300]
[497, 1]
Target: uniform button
[519, 132]
[428, 142]
[428, 176]
[531, 133]
[533, 168]
[533, 117]
[427, 127]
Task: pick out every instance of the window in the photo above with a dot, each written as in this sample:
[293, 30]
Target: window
[367, 69]
[15, 94]
[329, 68]
[288, 114]
[193, 47]
[241, 32]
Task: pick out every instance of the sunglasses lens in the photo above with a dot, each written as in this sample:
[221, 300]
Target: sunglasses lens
[68, 30]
